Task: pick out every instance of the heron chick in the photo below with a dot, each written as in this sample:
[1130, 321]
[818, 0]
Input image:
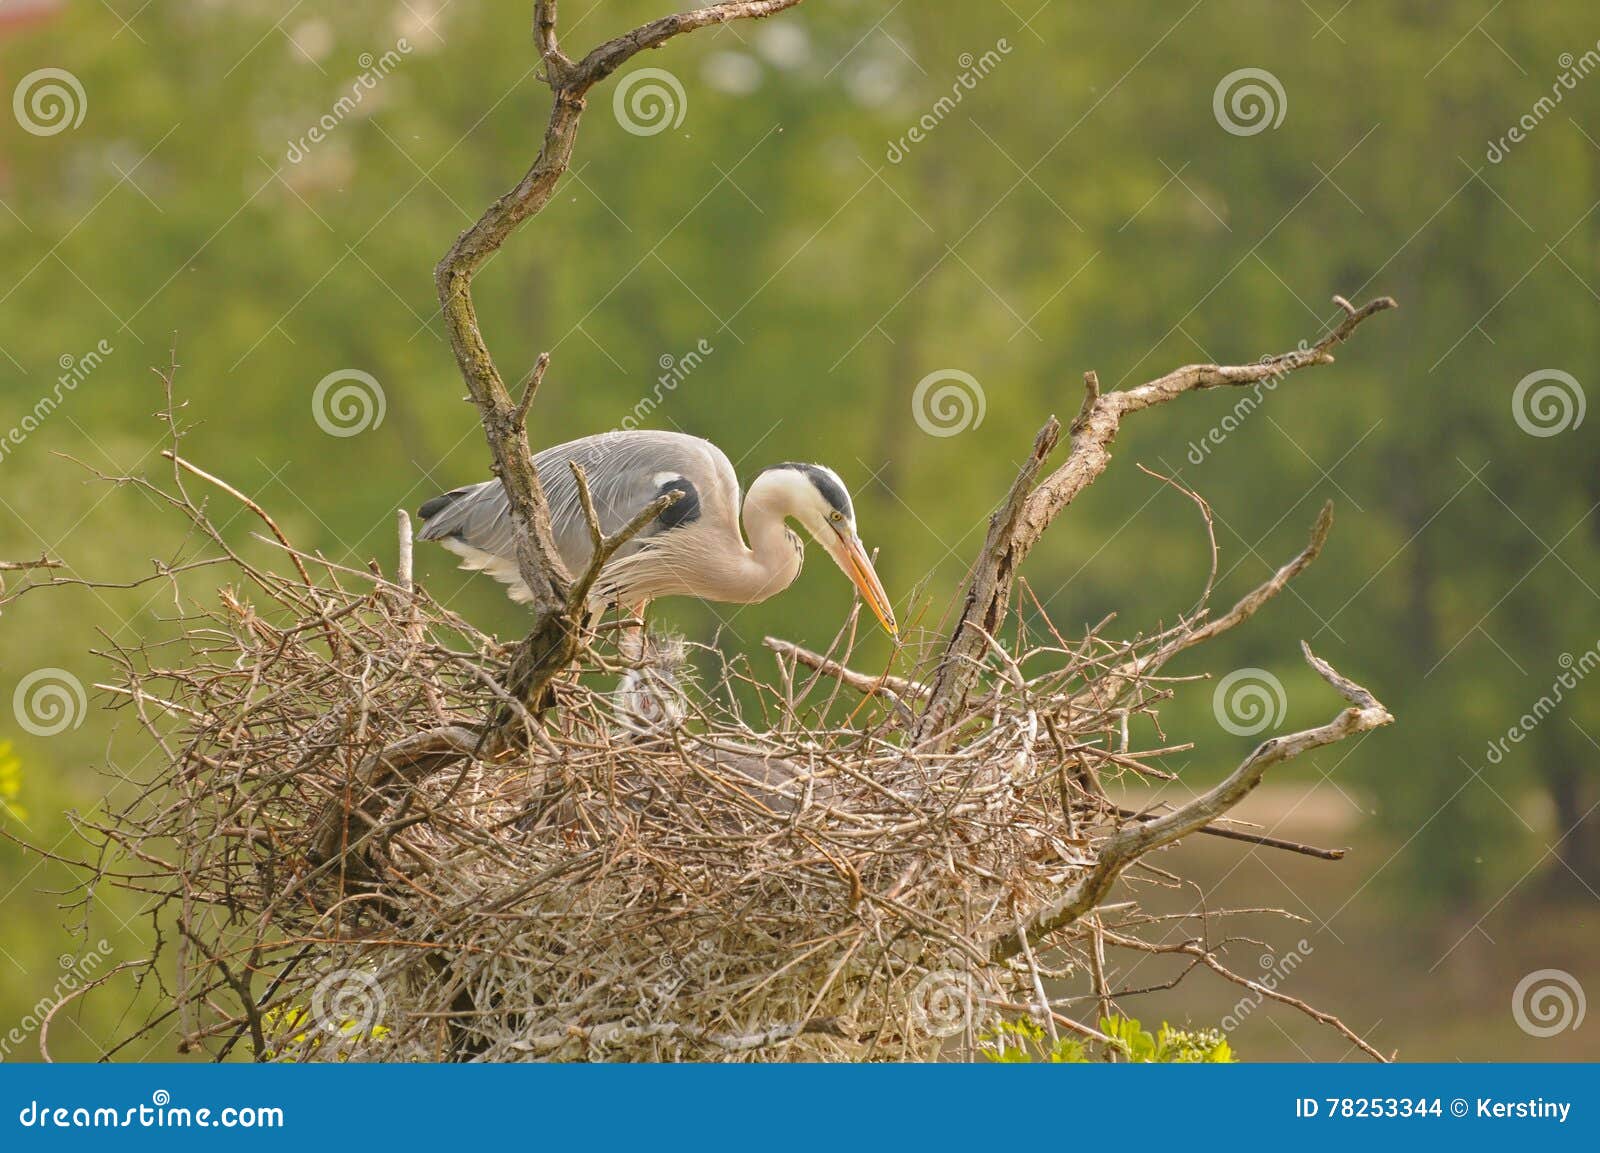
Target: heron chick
[649, 698]
[695, 548]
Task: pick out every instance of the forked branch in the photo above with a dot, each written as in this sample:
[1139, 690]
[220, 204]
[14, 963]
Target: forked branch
[553, 641]
[1029, 510]
[1120, 850]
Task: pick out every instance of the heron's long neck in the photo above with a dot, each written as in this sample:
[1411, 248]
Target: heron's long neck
[773, 559]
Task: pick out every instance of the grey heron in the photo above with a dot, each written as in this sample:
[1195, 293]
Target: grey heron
[694, 548]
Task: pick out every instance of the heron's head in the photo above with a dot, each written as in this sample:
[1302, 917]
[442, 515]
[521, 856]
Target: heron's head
[814, 496]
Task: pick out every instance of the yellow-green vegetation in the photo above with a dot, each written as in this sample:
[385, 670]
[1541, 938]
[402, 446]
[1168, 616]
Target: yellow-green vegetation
[1024, 1041]
[10, 783]
[292, 1032]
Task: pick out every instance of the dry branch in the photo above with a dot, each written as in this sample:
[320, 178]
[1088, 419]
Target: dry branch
[1028, 510]
[554, 640]
[1128, 845]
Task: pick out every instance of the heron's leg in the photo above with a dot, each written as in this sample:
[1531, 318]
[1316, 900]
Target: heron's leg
[631, 637]
[593, 610]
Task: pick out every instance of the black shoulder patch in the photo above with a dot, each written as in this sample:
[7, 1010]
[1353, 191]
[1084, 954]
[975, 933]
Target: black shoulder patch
[832, 491]
[687, 508]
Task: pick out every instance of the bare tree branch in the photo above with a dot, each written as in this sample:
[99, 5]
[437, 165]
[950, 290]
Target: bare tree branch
[989, 587]
[1107, 688]
[605, 547]
[553, 641]
[988, 592]
[1126, 846]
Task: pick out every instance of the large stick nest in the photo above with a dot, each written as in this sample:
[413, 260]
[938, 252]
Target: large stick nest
[367, 848]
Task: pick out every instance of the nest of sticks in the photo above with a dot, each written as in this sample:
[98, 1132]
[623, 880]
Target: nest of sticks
[360, 843]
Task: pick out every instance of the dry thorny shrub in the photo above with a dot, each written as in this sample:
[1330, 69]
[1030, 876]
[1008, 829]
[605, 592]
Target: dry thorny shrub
[358, 844]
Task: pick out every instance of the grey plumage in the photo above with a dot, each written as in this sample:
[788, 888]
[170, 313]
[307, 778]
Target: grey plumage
[626, 471]
[697, 547]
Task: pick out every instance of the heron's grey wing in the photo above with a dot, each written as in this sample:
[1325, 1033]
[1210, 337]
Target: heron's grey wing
[478, 514]
[475, 523]
[625, 471]
[628, 470]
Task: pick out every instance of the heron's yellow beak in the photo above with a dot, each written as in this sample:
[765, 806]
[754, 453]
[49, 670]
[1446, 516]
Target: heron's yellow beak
[852, 558]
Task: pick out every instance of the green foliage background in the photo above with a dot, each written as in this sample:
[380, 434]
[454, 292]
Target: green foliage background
[1080, 208]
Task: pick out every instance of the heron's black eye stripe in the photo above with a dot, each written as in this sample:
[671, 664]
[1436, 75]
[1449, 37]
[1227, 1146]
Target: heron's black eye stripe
[687, 508]
[832, 491]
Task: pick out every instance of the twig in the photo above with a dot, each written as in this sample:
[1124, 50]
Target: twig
[1126, 846]
[1030, 511]
[403, 561]
[1250, 838]
[530, 389]
[605, 547]
[260, 512]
